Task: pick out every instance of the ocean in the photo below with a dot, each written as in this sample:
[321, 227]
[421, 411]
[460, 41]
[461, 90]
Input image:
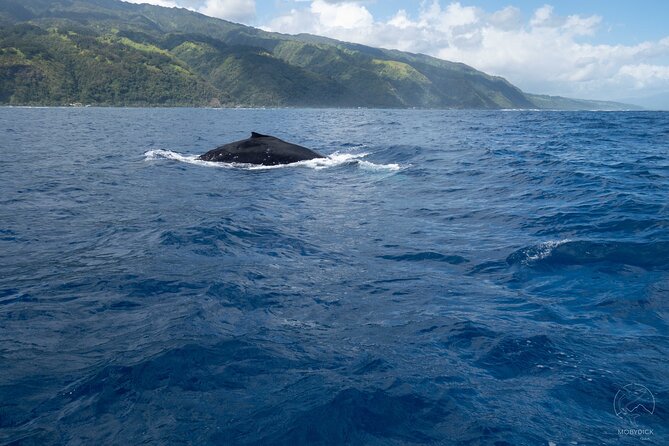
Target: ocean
[442, 277]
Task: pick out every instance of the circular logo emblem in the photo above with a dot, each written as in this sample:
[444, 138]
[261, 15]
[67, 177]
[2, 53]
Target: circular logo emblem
[633, 401]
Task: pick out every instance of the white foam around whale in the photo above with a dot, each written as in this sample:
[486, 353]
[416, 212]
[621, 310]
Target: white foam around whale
[334, 160]
[545, 249]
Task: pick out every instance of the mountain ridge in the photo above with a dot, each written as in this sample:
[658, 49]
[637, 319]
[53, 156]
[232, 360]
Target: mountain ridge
[108, 52]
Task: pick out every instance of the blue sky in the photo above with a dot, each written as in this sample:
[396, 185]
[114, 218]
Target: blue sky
[627, 21]
[596, 49]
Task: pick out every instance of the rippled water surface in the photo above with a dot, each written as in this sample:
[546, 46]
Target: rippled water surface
[443, 277]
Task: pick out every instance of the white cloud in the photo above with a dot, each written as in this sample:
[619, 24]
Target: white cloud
[645, 75]
[401, 20]
[235, 10]
[166, 3]
[342, 15]
[507, 18]
[322, 17]
[542, 16]
[546, 53]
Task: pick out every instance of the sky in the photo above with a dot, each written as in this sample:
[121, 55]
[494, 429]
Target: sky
[597, 49]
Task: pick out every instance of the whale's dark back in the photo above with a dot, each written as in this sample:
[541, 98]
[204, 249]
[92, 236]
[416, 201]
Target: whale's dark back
[260, 149]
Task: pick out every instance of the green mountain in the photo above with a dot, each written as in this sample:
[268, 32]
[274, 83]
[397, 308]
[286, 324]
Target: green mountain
[107, 52]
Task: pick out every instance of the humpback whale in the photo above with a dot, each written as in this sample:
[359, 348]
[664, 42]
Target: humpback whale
[260, 149]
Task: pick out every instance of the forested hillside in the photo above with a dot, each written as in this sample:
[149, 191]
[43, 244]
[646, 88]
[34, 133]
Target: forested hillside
[107, 52]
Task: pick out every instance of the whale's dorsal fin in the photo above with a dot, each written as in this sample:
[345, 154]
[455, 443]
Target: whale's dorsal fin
[257, 135]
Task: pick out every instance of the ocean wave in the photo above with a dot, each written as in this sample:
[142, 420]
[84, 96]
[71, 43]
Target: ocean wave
[334, 160]
[511, 357]
[583, 252]
[363, 416]
[426, 256]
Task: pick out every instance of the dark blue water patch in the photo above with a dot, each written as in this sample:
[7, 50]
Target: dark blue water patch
[372, 366]
[466, 335]
[230, 295]
[7, 235]
[8, 292]
[16, 297]
[489, 267]
[398, 154]
[428, 256]
[510, 357]
[362, 417]
[190, 368]
[226, 239]
[495, 286]
[124, 305]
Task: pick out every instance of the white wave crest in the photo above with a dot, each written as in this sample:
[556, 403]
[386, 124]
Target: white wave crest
[334, 160]
[545, 249]
[152, 155]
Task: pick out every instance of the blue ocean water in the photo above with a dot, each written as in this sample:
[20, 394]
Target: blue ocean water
[443, 277]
